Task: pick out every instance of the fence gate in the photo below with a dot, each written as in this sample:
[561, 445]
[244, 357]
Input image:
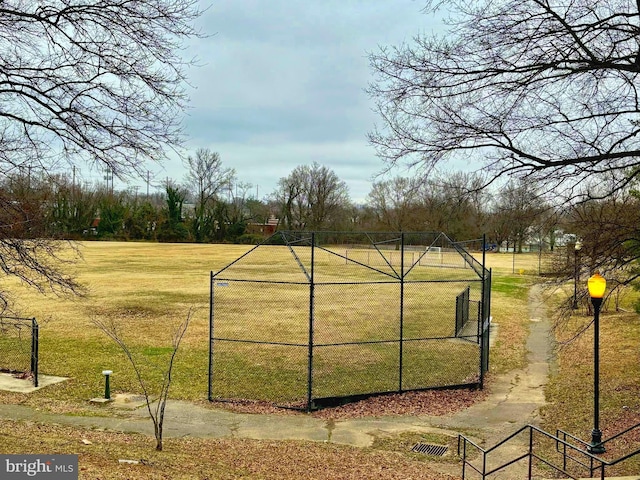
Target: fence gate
[19, 346]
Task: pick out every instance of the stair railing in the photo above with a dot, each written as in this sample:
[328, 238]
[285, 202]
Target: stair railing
[561, 447]
[593, 464]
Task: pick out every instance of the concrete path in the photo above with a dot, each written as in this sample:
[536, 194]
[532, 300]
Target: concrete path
[513, 403]
[515, 398]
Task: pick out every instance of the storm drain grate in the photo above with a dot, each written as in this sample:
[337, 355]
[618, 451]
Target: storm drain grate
[428, 449]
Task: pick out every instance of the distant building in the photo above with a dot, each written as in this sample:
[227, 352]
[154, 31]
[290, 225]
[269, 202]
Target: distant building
[267, 228]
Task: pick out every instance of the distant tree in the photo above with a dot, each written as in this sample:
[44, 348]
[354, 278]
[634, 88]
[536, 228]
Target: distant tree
[609, 230]
[240, 211]
[143, 222]
[516, 211]
[544, 90]
[113, 210]
[284, 200]
[71, 208]
[257, 210]
[312, 197]
[454, 203]
[174, 228]
[546, 228]
[206, 179]
[94, 82]
[394, 202]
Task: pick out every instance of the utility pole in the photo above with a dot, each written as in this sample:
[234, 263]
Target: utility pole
[108, 176]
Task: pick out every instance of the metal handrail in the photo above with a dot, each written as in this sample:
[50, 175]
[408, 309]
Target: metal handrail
[566, 456]
[587, 444]
[620, 434]
[530, 454]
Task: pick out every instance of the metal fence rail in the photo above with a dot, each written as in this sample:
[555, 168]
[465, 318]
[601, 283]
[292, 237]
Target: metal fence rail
[19, 346]
[309, 319]
[573, 460]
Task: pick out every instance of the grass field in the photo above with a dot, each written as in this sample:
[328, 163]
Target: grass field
[147, 289]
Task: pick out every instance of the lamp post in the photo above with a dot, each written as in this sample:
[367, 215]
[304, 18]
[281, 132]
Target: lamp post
[597, 285]
[576, 251]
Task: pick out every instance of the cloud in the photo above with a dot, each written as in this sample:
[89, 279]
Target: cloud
[282, 84]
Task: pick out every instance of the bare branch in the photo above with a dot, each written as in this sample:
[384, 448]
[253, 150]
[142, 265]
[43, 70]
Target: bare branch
[110, 328]
[532, 88]
[100, 83]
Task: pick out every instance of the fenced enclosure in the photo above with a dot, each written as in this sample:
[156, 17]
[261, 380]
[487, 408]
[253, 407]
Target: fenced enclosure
[310, 319]
[19, 346]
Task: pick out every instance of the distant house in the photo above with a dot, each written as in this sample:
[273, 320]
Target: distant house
[267, 228]
[93, 229]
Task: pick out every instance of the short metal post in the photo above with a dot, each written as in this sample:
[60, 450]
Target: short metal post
[107, 387]
[464, 455]
[35, 335]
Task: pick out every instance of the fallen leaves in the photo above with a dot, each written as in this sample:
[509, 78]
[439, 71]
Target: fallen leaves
[423, 403]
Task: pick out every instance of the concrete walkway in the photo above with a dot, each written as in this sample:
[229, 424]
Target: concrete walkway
[514, 402]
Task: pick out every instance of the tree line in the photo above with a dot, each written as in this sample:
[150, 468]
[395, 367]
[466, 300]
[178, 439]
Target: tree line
[210, 204]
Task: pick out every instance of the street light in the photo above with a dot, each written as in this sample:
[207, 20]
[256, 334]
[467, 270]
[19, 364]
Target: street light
[576, 251]
[597, 285]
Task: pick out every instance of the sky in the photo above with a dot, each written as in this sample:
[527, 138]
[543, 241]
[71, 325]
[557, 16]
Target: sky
[281, 83]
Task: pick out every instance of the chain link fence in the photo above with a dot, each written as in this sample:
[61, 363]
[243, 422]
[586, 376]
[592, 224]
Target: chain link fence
[310, 319]
[19, 346]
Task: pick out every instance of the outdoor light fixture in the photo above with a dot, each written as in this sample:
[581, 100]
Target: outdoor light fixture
[597, 285]
[576, 271]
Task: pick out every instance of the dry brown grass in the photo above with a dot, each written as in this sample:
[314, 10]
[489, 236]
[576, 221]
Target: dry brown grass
[510, 264]
[570, 391]
[187, 459]
[147, 288]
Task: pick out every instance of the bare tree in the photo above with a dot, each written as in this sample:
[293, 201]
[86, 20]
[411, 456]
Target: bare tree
[206, 179]
[534, 88]
[155, 406]
[91, 81]
[394, 203]
[98, 83]
[454, 204]
[28, 251]
[517, 209]
[312, 197]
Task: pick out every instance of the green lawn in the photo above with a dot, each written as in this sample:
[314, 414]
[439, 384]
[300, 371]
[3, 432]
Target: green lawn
[147, 288]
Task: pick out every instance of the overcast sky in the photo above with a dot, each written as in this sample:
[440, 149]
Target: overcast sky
[282, 84]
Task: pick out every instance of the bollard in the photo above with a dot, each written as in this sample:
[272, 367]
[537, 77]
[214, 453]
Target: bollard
[107, 388]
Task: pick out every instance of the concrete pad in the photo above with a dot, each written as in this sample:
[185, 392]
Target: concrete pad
[128, 401]
[10, 383]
